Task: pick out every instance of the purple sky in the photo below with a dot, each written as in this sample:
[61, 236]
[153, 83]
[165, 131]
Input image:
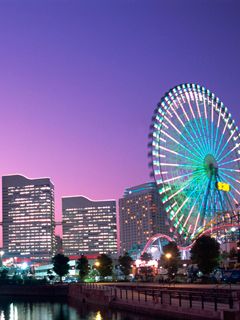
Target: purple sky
[79, 81]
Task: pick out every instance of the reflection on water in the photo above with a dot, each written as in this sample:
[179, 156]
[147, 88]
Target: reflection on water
[15, 310]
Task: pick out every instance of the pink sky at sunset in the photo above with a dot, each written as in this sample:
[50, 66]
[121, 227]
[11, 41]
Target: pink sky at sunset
[79, 81]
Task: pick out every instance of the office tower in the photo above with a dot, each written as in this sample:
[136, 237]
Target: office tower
[28, 217]
[141, 215]
[58, 244]
[89, 226]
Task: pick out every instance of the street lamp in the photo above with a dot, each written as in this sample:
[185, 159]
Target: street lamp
[97, 264]
[168, 255]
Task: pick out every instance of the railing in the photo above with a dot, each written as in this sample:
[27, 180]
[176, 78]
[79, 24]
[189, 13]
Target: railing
[181, 298]
[178, 298]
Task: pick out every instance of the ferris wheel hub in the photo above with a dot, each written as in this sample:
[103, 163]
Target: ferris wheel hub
[210, 165]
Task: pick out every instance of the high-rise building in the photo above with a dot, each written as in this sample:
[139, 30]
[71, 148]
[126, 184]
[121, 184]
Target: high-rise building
[141, 215]
[89, 226]
[28, 217]
[58, 244]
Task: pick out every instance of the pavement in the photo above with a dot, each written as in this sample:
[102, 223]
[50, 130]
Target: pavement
[173, 285]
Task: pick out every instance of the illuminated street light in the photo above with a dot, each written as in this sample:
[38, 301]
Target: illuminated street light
[168, 255]
[97, 264]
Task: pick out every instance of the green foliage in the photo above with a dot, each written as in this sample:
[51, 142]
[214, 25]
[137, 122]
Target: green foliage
[171, 263]
[146, 273]
[93, 273]
[3, 274]
[83, 267]
[50, 275]
[205, 253]
[232, 253]
[125, 263]
[105, 265]
[60, 265]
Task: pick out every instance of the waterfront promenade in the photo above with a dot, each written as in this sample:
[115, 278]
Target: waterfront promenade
[197, 302]
[175, 302]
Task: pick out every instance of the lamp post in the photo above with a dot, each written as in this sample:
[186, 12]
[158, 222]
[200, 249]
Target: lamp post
[168, 256]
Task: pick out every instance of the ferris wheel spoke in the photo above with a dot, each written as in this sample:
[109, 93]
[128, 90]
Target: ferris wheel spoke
[196, 223]
[232, 187]
[217, 132]
[232, 178]
[212, 128]
[222, 136]
[184, 202]
[180, 190]
[185, 128]
[194, 140]
[203, 202]
[226, 144]
[180, 144]
[227, 162]
[179, 154]
[180, 134]
[177, 178]
[228, 153]
[203, 133]
[231, 170]
[198, 218]
[197, 135]
[195, 202]
[183, 166]
[192, 181]
[206, 121]
[200, 136]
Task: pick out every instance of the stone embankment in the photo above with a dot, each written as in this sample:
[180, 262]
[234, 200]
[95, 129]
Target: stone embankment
[38, 291]
[168, 303]
[173, 303]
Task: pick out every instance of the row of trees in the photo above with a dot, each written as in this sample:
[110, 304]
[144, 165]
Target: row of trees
[205, 253]
[103, 265]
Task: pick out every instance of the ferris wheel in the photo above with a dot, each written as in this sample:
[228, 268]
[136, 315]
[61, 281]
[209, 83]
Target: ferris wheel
[195, 151]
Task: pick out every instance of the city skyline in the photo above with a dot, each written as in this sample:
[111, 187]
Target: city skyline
[79, 84]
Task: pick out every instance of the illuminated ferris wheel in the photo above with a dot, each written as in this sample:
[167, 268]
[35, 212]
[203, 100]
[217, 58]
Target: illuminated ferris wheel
[195, 150]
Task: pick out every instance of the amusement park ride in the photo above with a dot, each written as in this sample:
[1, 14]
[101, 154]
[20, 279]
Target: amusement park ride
[195, 160]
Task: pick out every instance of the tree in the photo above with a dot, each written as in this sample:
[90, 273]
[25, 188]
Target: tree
[146, 271]
[223, 259]
[205, 253]
[83, 267]
[170, 259]
[232, 254]
[125, 263]
[146, 256]
[50, 275]
[60, 265]
[3, 274]
[238, 251]
[104, 265]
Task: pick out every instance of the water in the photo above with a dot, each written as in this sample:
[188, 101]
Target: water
[19, 310]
